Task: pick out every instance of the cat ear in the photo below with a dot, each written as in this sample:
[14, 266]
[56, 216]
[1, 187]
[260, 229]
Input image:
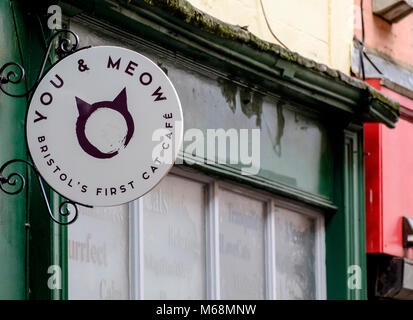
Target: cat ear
[120, 100]
[83, 107]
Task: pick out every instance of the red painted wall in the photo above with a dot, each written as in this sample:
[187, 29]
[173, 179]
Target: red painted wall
[388, 152]
[389, 180]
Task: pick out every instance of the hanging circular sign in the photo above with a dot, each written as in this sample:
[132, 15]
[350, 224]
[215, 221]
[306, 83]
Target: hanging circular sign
[104, 126]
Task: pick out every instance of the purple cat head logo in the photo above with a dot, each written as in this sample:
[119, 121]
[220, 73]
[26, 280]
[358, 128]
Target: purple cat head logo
[85, 109]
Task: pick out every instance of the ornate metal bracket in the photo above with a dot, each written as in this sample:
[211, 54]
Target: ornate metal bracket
[65, 46]
[16, 180]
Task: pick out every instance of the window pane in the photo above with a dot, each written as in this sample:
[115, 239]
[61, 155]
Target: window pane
[241, 246]
[174, 240]
[295, 255]
[99, 254]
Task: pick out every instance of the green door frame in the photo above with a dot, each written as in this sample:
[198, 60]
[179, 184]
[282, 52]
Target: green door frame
[345, 229]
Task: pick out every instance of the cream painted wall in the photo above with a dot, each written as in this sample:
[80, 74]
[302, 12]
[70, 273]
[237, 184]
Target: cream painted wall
[321, 30]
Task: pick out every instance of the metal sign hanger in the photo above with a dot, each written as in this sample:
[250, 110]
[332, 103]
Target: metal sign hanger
[16, 180]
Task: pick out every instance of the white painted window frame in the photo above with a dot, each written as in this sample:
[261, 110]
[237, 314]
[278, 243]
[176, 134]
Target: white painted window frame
[212, 191]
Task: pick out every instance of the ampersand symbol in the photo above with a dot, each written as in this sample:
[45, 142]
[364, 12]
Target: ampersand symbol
[81, 66]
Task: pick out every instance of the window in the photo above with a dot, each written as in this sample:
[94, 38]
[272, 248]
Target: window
[195, 237]
[98, 254]
[298, 253]
[241, 244]
[174, 240]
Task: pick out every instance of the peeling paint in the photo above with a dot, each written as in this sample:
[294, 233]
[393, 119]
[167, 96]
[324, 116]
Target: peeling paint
[163, 68]
[229, 91]
[251, 104]
[280, 128]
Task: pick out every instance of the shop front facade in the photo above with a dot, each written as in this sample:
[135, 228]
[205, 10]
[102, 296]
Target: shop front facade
[387, 152]
[275, 210]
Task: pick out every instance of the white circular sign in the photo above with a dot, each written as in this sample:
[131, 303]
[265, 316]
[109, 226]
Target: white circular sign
[104, 126]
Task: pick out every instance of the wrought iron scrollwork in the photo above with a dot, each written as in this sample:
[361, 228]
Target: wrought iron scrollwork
[13, 73]
[13, 179]
[16, 181]
[9, 74]
[11, 77]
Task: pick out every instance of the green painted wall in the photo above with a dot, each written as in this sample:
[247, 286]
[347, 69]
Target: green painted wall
[13, 249]
[26, 231]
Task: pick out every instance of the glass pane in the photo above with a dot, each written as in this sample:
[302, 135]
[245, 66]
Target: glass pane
[99, 254]
[242, 246]
[174, 240]
[295, 255]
